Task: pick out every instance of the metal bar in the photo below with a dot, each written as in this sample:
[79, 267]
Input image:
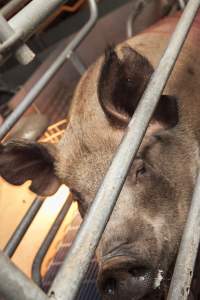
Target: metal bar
[181, 4]
[36, 267]
[32, 15]
[34, 92]
[22, 227]
[10, 42]
[68, 280]
[15, 285]
[183, 272]
[12, 7]
[135, 12]
[23, 54]
[77, 63]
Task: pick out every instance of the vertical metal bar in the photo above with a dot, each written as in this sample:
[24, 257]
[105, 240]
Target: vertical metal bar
[183, 272]
[23, 54]
[22, 227]
[77, 63]
[15, 285]
[36, 267]
[34, 92]
[68, 280]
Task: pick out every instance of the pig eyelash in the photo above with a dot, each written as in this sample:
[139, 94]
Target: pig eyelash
[141, 171]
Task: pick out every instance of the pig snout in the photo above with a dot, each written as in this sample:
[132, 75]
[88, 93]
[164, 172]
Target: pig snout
[121, 277]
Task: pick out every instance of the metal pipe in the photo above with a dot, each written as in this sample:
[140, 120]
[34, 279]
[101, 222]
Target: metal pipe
[181, 4]
[10, 42]
[68, 280]
[32, 15]
[22, 227]
[23, 54]
[12, 7]
[36, 267]
[77, 63]
[15, 285]
[183, 272]
[34, 92]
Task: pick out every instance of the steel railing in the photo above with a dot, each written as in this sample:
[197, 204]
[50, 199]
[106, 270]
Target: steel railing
[69, 277]
[34, 92]
[20, 27]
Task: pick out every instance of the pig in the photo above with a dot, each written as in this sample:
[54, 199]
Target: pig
[138, 248]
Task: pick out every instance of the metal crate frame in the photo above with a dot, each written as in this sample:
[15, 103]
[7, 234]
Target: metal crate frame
[13, 283]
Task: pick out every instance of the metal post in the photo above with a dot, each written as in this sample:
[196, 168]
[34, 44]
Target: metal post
[23, 54]
[183, 272]
[15, 285]
[22, 227]
[34, 92]
[68, 280]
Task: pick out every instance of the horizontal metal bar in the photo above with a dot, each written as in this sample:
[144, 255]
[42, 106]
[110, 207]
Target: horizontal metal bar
[10, 42]
[27, 21]
[22, 227]
[183, 272]
[23, 54]
[12, 7]
[68, 280]
[36, 267]
[35, 91]
[15, 285]
[32, 15]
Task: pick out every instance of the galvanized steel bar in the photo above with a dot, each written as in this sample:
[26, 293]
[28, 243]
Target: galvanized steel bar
[183, 272]
[33, 14]
[15, 285]
[22, 227]
[23, 54]
[12, 7]
[68, 280]
[36, 267]
[34, 92]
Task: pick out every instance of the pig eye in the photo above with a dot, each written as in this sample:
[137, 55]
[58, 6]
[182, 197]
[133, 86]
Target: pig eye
[141, 171]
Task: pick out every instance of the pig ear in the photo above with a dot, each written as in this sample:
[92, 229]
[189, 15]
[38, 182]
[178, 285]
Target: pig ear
[22, 160]
[121, 83]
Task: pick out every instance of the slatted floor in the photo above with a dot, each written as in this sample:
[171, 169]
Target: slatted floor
[88, 290]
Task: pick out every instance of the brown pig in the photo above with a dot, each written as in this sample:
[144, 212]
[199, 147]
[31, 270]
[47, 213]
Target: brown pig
[138, 248]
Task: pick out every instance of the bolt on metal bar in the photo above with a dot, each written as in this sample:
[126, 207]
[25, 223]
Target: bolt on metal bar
[23, 54]
[36, 267]
[11, 7]
[35, 91]
[69, 277]
[22, 227]
[15, 285]
[183, 272]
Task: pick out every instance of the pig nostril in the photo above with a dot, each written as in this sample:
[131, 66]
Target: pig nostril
[109, 286]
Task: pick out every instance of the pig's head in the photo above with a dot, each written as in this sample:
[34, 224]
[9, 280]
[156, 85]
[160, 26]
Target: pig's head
[140, 242]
